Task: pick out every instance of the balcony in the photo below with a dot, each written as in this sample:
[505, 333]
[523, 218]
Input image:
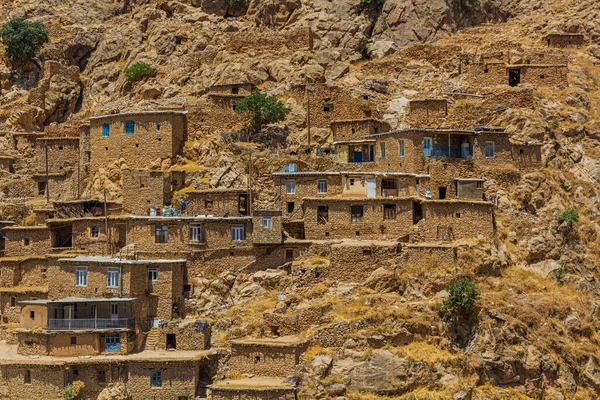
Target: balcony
[442, 151]
[87, 324]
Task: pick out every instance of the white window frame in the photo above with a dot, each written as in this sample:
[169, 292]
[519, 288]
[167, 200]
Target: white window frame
[322, 186]
[267, 222]
[156, 379]
[238, 233]
[291, 187]
[401, 147]
[153, 274]
[195, 234]
[114, 308]
[164, 230]
[427, 152]
[81, 276]
[493, 147]
[112, 277]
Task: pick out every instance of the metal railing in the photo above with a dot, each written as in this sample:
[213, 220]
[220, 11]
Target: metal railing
[449, 152]
[97, 323]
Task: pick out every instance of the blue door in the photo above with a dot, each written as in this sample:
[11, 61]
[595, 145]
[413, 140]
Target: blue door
[358, 158]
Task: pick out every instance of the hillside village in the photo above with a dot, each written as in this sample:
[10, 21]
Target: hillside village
[152, 248]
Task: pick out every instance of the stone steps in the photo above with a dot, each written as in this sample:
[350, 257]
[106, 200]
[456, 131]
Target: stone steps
[151, 339]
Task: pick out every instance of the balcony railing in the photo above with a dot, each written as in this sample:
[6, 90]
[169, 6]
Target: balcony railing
[449, 152]
[98, 323]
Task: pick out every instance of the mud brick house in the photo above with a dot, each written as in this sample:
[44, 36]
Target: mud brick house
[427, 112]
[355, 129]
[146, 192]
[267, 357]
[564, 40]
[295, 186]
[333, 103]
[222, 202]
[142, 138]
[145, 376]
[493, 73]
[171, 234]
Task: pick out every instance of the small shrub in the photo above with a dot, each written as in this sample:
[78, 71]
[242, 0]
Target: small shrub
[465, 5]
[71, 391]
[23, 39]
[555, 125]
[463, 295]
[138, 71]
[374, 5]
[236, 3]
[570, 215]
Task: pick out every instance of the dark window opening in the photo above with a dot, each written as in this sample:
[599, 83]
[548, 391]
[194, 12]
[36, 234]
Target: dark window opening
[26, 242]
[417, 212]
[290, 206]
[514, 77]
[27, 378]
[73, 339]
[521, 151]
[13, 301]
[31, 314]
[75, 374]
[208, 204]
[326, 234]
[289, 255]
[62, 237]
[41, 188]
[442, 193]
[457, 215]
[322, 215]
[542, 76]
[256, 359]
[235, 90]
[367, 252]
[357, 233]
[367, 113]
[171, 341]
[326, 108]
[60, 147]
[101, 376]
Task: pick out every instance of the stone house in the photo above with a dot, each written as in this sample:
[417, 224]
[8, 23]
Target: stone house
[267, 227]
[172, 234]
[7, 164]
[146, 192]
[355, 129]
[143, 138]
[183, 335]
[484, 74]
[27, 240]
[564, 40]
[295, 186]
[221, 202]
[427, 112]
[267, 357]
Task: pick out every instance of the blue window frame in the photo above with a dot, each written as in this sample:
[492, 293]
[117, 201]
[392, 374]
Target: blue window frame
[129, 127]
[113, 343]
[156, 380]
[105, 130]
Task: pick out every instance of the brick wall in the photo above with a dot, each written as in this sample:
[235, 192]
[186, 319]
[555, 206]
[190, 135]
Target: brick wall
[356, 129]
[63, 154]
[144, 189]
[47, 381]
[21, 241]
[142, 148]
[306, 186]
[179, 378]
[527, 156]
[263, 359]
[267, 235]
[427, 256]
[564, 40]
[225, 202]
[189, 335]
[428, 112]
[355, 263]
[456, 220]
[371, 226]
[240, 393]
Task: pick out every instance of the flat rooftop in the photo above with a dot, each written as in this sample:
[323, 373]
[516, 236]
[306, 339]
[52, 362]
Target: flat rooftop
[255, 383]
[8, 356]
[68, 300]
[116, 260]
[283, 341]
[131, 113]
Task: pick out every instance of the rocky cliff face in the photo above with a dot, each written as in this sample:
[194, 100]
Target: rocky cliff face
[536, 333]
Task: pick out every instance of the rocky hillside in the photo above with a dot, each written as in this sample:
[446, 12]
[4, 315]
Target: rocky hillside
[536, 332]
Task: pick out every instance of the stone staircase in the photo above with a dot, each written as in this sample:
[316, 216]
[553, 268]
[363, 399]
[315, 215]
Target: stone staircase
[151, 339]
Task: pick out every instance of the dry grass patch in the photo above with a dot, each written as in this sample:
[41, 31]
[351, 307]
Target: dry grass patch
[426, 352]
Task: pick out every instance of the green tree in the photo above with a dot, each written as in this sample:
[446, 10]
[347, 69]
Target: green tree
[374, 5]
[261, 109]
[461, 301]
[570, 215]
[23, 39]
[138, 71]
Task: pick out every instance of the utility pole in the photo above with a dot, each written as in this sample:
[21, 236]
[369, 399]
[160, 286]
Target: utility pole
[106, 225]
[47, 179]
[308, 92]
[249, 206]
